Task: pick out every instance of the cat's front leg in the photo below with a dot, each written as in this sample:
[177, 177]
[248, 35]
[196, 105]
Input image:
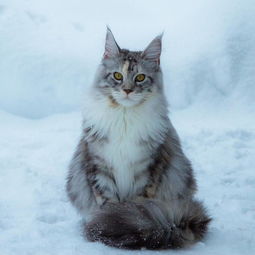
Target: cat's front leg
[149, 192]
[147, 188]
[157, 169]
[102, 198]
[103, 187]
[151, 189]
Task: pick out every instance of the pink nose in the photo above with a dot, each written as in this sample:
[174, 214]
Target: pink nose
[128, 91]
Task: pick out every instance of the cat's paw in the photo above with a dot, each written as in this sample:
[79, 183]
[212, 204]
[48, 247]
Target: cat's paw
[139, 199]
[150, 191]
[100, 200]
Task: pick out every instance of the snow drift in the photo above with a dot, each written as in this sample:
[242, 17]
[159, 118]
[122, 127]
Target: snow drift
[49, 50]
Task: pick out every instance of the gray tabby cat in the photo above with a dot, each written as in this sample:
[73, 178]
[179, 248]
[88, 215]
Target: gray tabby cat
[129, 177]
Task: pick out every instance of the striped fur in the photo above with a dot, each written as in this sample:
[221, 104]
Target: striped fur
[150, 224]
[129, 177]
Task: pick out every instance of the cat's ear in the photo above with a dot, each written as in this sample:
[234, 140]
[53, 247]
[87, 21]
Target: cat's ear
[112, 49]
[153, 50]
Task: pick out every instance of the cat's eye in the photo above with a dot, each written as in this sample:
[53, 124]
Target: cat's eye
[140, 77]
[118, 76]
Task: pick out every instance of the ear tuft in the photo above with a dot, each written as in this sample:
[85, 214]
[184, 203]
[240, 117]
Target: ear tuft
[153, 50]
[111, 47]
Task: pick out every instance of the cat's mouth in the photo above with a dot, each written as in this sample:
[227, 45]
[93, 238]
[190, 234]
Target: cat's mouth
[126, 100]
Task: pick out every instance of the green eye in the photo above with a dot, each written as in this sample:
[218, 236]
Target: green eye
[118, 76]
[140, 77]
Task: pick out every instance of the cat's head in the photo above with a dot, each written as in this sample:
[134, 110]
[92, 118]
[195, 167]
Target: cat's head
[129, 78]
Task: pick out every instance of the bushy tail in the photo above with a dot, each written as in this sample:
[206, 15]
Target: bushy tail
[151, 224]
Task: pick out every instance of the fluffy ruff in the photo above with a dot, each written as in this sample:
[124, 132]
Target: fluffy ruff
[150, 224]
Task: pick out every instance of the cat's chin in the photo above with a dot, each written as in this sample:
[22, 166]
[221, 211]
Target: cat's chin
[126, 102]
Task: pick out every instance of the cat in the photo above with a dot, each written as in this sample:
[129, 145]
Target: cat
[129, 177]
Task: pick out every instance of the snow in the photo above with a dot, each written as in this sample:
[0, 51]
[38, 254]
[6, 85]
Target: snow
[36, 217]
[49, 51]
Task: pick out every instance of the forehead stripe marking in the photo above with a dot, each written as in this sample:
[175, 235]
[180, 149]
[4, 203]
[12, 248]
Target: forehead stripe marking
[125, 68]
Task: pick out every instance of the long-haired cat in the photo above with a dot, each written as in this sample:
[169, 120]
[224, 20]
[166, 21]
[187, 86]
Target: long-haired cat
[129, 177]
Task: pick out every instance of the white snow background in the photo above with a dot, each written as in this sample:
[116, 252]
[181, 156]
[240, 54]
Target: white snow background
[49, 50]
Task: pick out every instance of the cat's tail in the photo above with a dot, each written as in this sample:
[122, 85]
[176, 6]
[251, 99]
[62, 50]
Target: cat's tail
[150, 224]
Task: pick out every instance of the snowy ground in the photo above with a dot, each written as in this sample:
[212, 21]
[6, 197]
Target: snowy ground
[48, 53]
[36, 217]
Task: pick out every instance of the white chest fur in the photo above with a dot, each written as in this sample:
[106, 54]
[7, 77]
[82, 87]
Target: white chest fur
[125, 153]
[124, 129]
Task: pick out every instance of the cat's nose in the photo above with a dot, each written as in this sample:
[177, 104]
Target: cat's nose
[128, 91]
